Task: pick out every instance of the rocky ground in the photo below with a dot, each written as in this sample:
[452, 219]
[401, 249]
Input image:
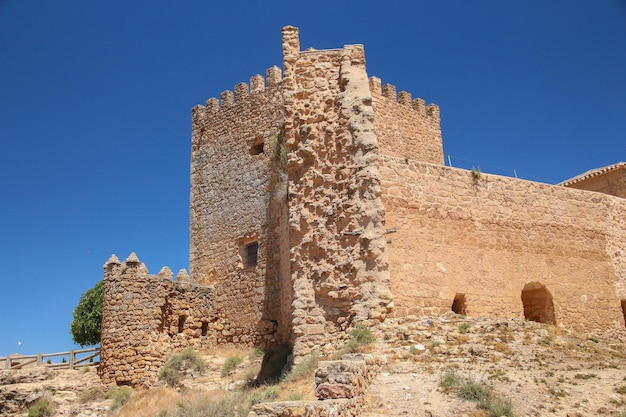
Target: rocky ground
[543, 370]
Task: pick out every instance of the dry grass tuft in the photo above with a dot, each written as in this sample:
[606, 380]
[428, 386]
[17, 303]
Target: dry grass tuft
[149, 403]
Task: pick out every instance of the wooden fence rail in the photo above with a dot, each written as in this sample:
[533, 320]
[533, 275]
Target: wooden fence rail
[44, 359]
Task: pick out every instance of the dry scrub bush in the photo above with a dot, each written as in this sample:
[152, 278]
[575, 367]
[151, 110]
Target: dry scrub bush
[120, 396]
[44, 407]
[175, 367]
[476, 391]
[231, 363]
[304, 369]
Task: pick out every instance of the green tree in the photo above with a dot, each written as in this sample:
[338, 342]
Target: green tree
[85, 328]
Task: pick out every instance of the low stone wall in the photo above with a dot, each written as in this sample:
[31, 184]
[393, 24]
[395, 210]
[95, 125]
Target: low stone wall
[340, 387]
[146, 317]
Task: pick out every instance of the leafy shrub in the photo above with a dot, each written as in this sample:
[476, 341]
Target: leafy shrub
[352, 346]
[271, 393]
[256, 397]
[42, 408]
[473, 390]
[359, 336]
[87, 317]
[497, 407]
[119, 395]
[173, 370]
[362, 335]
[231, 363]
[279, 150]
[304, 369]
[262, 395]
[450, 380]
[464, 327]
[476, 173]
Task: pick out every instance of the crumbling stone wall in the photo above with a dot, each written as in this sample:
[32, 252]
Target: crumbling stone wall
[340, 387]
[336, 218]
[145, 317]
[487, 237]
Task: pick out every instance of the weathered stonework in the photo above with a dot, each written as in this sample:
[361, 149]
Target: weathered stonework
[340, 388]
[317, 193]
[145, 317]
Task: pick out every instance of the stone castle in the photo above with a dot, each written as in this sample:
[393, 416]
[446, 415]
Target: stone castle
[320, 199]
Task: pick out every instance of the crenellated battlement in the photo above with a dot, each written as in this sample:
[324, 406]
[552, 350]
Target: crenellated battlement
[388, 91]
[145, 317]
[242, 92]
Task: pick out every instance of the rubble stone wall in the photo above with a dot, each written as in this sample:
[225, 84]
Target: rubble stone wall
[488, 238]
[235, 183]
[340, 387]
[338, 262]
[146, 317]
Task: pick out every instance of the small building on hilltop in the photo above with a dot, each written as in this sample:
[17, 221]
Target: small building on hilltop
[320, 199]
[608, 180]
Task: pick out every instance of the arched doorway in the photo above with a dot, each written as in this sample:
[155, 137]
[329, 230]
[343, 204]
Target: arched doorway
[458, 305]
[538, 305]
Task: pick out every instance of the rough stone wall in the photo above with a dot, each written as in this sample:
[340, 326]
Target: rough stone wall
[336, 219]
[236, 196]
[340, 387]
[488, 237]
[145, 317]
[406, 128]
[612, 183]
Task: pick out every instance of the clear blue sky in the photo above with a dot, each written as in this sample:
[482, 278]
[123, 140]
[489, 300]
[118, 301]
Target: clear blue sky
[95, 102]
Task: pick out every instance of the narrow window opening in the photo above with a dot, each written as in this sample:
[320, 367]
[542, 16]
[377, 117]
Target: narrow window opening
[205, 328]
[257, 146]
[458, 305]
[538, 304]
[181, 323]
[624, 310]
[250, 254]
[164, 319]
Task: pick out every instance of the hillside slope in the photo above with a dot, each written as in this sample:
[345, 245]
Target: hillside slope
[543, 370]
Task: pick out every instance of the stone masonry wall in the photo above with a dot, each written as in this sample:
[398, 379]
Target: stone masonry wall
[340, 388]
[406, 128]
[488, 237]
[338, 261]
[235, 182]
[145, 317]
